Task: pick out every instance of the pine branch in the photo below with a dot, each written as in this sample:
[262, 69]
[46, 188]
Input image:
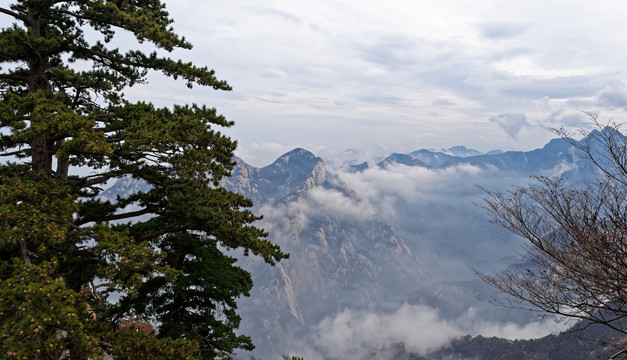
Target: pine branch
[13, 77]
[132, 214]
[16, 15]
[17, 152]
[155, 234]
[104, 177]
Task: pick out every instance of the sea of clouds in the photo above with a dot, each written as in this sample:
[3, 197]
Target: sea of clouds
[437, 212]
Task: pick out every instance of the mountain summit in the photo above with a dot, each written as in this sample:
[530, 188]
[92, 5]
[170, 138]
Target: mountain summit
[296, 170]
[340, 256]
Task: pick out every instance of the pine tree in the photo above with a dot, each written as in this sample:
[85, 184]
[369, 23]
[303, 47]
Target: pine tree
[64, 250]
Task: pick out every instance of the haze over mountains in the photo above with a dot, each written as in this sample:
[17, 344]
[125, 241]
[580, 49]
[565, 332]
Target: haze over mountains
[385, 252]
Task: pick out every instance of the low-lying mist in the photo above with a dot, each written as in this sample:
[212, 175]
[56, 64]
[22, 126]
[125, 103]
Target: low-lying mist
[420, 328]
[424, 300]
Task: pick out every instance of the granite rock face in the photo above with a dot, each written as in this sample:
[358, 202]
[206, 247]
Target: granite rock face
[340, 257]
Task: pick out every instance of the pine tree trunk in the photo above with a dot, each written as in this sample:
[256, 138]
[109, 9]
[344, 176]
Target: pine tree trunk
[41, 148]
[63, 164]
[25, 253]
[41, 154]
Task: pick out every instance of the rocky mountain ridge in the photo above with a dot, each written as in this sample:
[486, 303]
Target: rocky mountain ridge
[553, 153]
[336, 260]
[345, 262]
[377, 237]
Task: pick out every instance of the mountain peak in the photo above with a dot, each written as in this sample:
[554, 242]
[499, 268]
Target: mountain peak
[403, 159]
[297, 159]
[295, 169]
[461, 151]
[558, 144]
[297, 154]
[607, 131]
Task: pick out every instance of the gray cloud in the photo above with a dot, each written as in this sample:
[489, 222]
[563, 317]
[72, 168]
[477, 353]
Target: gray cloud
[433, 210]
[562, 87]
[502, 30]
[381, 99]
[613, 95]
[338, 52]
[392, 52]
[509, 52]
[281, 14]
[282, 219]
[511, 123]
[442, 102]
[571, 119]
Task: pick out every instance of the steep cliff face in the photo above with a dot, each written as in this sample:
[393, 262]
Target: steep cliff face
[340, 257]
[294, 172]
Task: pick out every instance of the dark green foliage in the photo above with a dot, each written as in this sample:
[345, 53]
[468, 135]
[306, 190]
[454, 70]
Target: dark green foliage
[209, 284]
[63, 250]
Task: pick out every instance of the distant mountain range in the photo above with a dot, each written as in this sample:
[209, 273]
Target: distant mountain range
[372, 237]
[557, 151]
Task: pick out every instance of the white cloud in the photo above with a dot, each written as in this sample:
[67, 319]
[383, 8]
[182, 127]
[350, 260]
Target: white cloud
[409, 182]
[301, 71]
[338, 204]
[285, 219]
[526, 66]
[350, 333]
[262, 153]
[512, 123]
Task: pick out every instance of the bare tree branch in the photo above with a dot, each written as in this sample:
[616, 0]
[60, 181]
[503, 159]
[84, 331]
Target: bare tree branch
[577, 260]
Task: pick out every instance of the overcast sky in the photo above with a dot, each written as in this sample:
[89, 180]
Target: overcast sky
[400, 75]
